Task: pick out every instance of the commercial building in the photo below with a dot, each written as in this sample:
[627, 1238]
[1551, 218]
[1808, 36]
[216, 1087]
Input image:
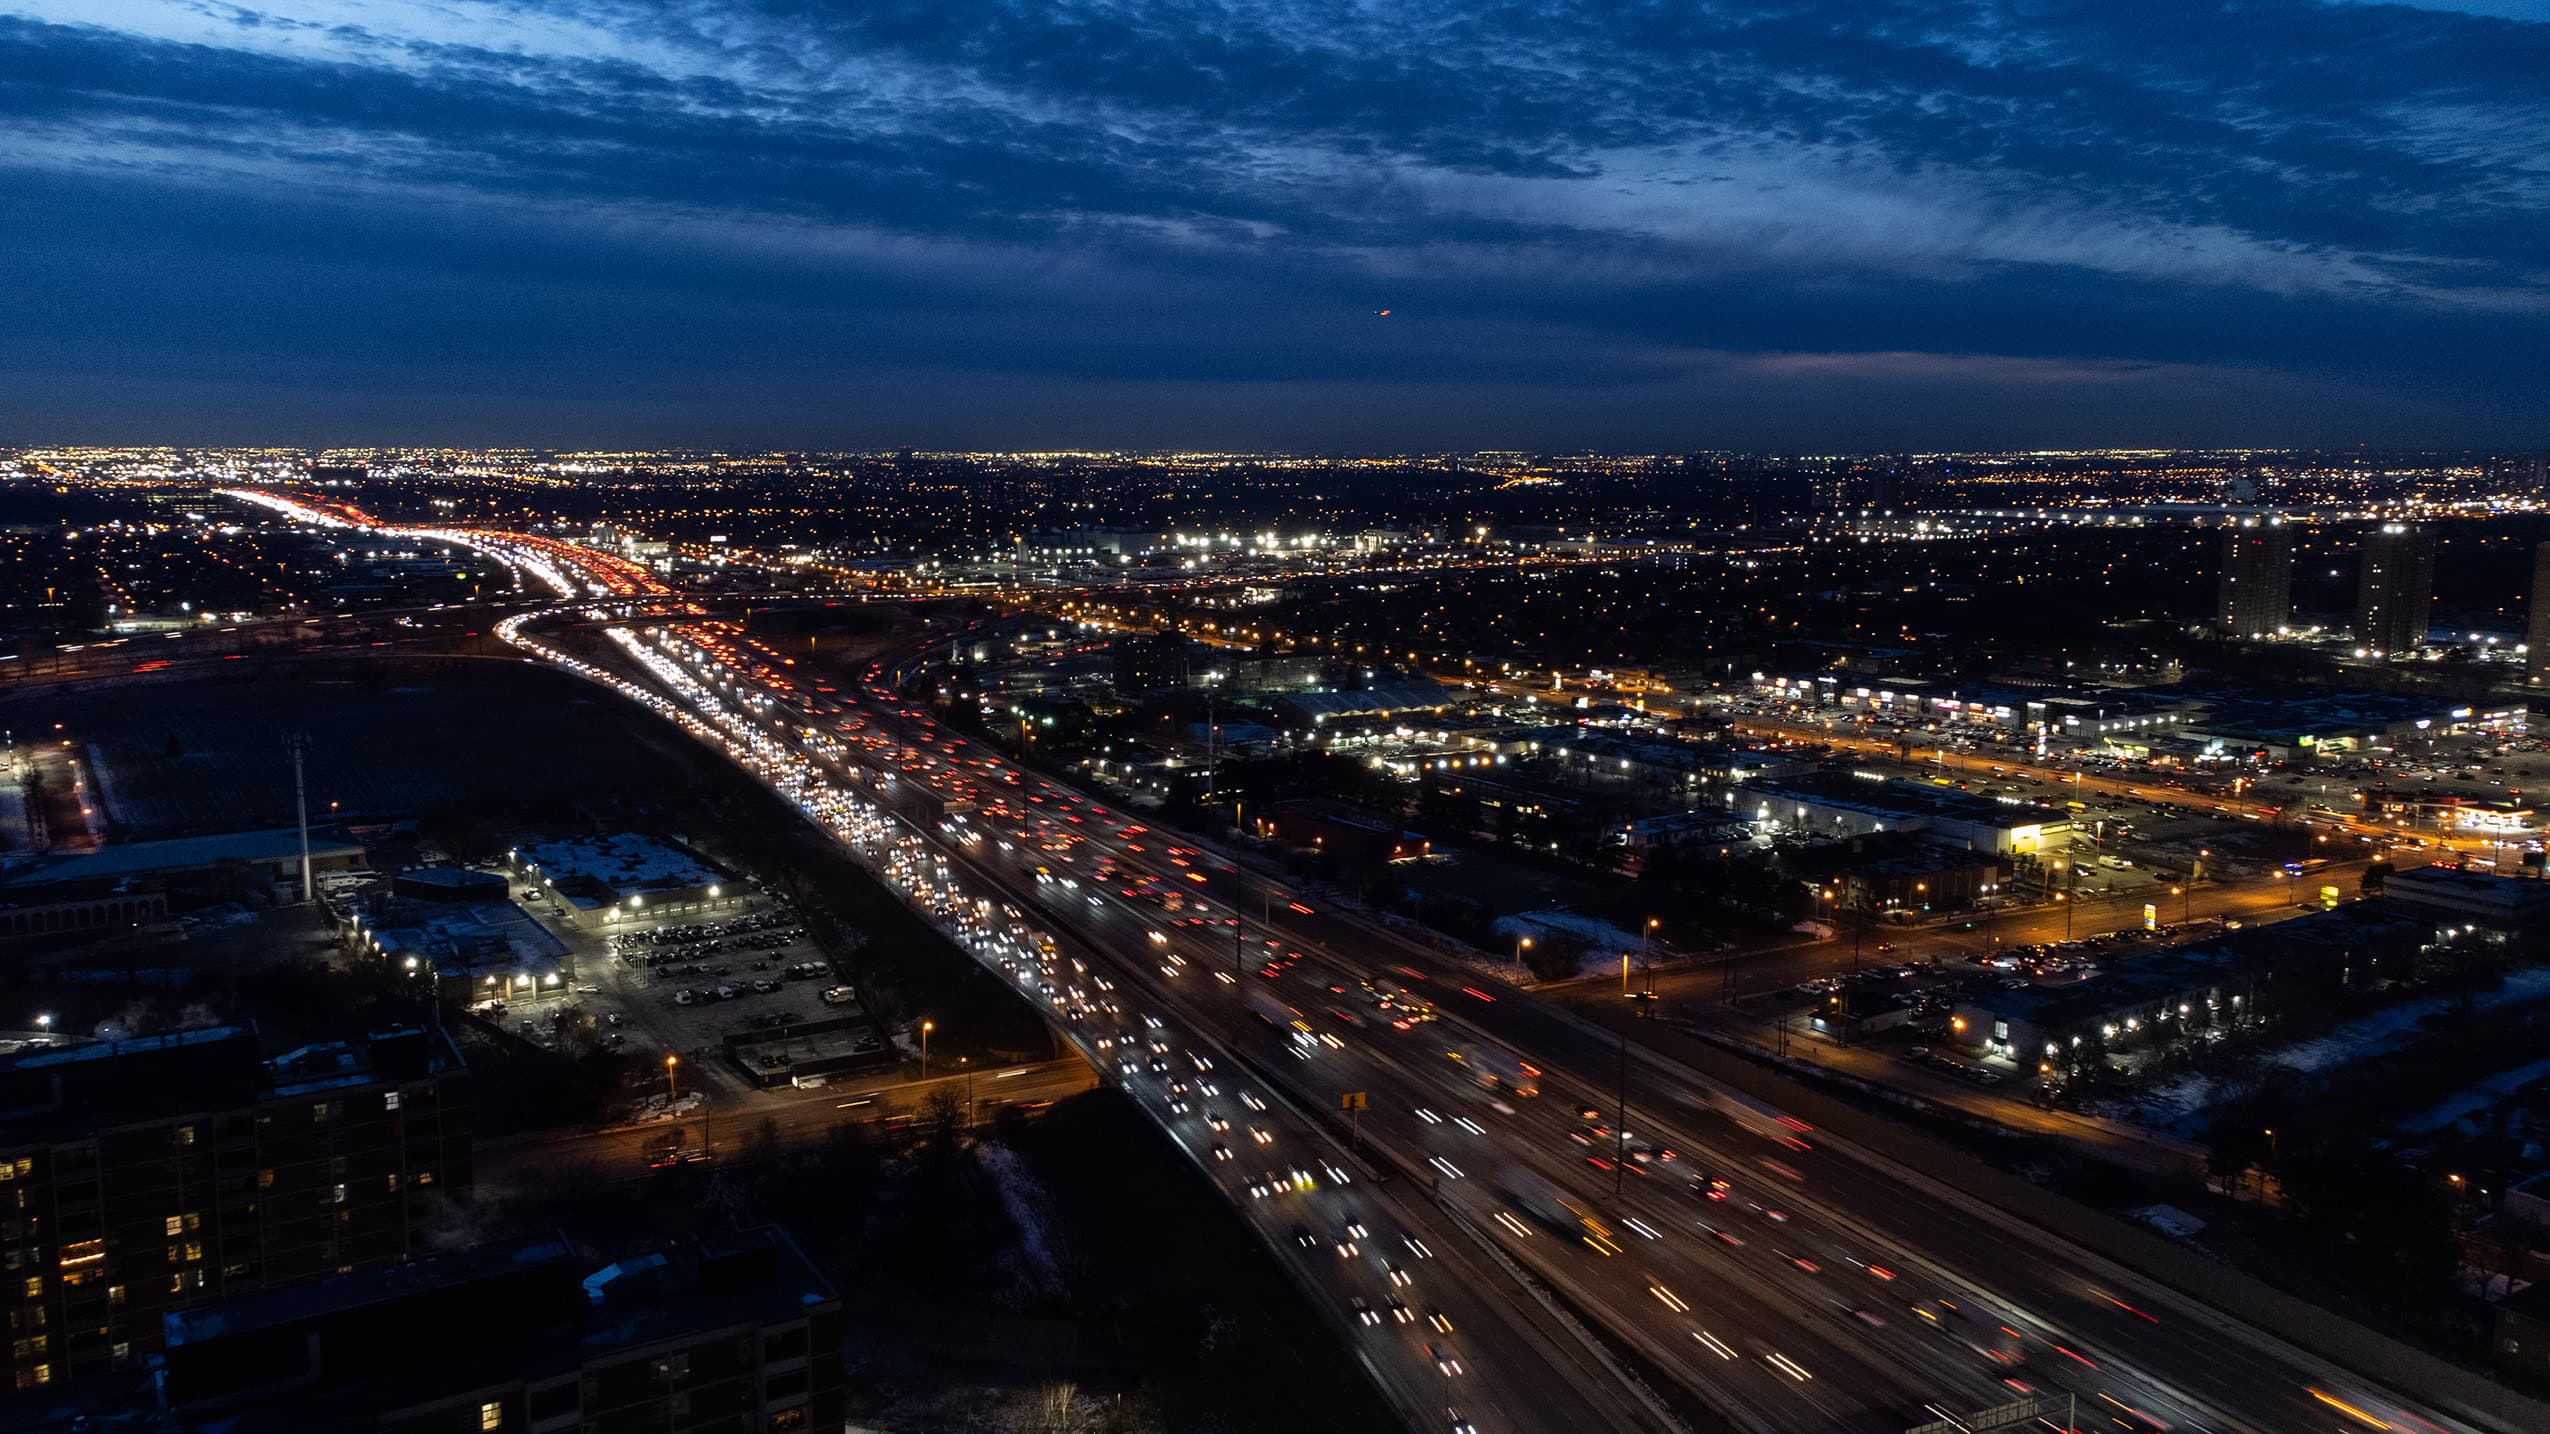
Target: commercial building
[2394, 589]
[734, 1333]
[1344, 833]
[1403, 697]
[2255, 599]
[2506, 904]
[1903, 874]
[2104, 715]
[69, 897]
[145, 1175]
[1153, 662]
[2284, 726]
[1866, 804]
[627, 875]
[2235, 979]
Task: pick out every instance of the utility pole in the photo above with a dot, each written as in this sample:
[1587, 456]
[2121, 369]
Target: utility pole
[1620, 1127]
[1212, 746]
[299, 742]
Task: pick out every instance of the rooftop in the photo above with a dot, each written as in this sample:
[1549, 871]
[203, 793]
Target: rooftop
[621, 863]
[337, 1353]
[1900, 799]
[177, 854]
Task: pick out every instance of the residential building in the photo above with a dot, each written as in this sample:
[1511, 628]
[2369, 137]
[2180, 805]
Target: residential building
[2394, 589]
[733, 1333]
[2255, 599]
[143, 1175]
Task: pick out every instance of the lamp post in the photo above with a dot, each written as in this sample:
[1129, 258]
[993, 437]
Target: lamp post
[2186, 901]
[926, 1028]
[672, 1089]
[1521, 945]
[1646, 952]
[2061, 900]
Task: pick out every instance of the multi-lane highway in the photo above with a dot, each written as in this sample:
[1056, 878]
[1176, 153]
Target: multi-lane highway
[1788, 1282]
[1436, 1315]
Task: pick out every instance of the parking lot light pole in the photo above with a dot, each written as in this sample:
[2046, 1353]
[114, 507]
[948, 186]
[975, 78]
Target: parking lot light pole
[671, 1088]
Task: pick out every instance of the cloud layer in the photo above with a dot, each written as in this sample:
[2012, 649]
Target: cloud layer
[1857, 223]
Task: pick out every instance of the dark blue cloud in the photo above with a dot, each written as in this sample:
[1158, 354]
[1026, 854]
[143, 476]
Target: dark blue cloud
[1597, 223]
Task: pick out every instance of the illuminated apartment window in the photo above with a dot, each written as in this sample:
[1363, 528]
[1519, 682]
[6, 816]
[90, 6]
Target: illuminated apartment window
[35, 1287]
[83, 1252]
[114, 1296]
[185, 1135]
[389, 1100]
[491, 1415]
[174, 1224]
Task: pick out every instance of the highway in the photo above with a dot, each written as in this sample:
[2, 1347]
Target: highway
[1436, 1317]
[1790, 1283]
[1764, 1301]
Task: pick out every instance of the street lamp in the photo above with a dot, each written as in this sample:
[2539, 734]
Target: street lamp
[2186, 900]
[672, 1087]
[1521, 945]
[44, 1021]
[926, 1028]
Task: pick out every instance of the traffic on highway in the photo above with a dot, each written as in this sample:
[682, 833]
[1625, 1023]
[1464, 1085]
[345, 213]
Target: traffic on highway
[1460, 1174]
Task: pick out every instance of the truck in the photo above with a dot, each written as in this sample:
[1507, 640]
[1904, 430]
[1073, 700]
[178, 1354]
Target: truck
[1761, 1119]
[1498, 1069]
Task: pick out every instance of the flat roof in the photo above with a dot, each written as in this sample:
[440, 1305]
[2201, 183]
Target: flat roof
[2163, 974]
[1903, 798]
[176, 854]
[623, 862]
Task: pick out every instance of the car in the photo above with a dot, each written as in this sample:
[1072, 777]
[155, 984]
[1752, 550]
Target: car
[1221, 1152]
[1438, 1321]
[1399, 1312]
[1364, 1312]
[1303, 1237]
[1444, 1360]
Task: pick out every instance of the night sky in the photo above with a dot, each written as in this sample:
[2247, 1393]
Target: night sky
[1810, 226]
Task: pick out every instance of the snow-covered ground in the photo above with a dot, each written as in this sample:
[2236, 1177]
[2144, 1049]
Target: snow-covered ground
[1604, 942]
[2472, 1099]
[2179, 1105]
[1024, 1197]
